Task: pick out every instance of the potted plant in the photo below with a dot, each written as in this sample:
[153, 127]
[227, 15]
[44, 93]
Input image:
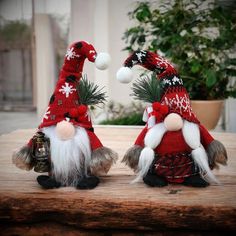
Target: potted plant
[199, 37]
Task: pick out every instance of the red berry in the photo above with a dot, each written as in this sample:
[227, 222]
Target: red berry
[82, 109]
[164, 109]
[154, 113]
[156, 106]
[74, 112]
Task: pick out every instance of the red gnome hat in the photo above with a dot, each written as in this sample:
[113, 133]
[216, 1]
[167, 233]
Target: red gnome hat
[174, 94]
[64, 103]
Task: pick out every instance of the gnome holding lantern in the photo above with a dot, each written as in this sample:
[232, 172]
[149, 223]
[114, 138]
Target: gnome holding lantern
[173, 147]
[65, 144]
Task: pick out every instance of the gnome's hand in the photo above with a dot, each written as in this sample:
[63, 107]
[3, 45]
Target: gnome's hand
[216, 154]
[131, 157]
[101, 161]
[23, 158]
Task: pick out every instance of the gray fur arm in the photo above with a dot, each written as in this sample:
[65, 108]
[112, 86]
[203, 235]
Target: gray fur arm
[101, 161]
[216, 154]
[131, 157]
[23, 158]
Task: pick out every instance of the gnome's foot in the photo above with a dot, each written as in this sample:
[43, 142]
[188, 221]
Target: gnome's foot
[154, 181]
[48, 182]
[195, 181]
[88, 182]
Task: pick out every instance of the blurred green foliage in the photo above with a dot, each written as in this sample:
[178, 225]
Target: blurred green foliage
[198, 36]
[14, 31]
[132, 119]
[119, 114]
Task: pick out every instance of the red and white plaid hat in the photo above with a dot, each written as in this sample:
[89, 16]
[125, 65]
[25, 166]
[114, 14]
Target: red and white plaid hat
[174, 93]
[64, 102]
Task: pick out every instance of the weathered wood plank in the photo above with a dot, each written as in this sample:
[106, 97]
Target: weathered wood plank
[42, 229]
[115, 203]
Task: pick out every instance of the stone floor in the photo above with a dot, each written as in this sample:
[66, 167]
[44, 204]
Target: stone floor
[10, 121]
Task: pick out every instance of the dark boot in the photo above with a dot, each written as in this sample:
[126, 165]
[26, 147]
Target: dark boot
[89, 182]
[48, 182]
[195, 181]
[154, 180]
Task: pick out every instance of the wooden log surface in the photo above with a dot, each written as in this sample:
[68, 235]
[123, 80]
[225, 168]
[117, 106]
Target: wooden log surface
[115, 204]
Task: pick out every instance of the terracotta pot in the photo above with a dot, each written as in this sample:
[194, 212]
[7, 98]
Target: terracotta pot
[208, 112]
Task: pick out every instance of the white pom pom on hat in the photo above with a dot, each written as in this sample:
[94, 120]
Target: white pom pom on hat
[102, 60]
[124, 75]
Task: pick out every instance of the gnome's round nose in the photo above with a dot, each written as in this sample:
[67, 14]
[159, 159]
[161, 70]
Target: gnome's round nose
[65, 130]
[173, 122]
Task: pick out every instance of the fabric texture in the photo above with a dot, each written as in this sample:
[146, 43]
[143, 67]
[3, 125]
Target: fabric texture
[65, 96]
[175, 167]
[174, 94]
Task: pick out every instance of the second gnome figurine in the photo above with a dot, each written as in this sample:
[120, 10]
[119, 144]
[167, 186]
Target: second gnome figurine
[65, 145]
[173, 147]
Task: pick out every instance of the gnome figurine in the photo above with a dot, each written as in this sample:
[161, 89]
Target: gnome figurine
[65, 145]
[173, 147]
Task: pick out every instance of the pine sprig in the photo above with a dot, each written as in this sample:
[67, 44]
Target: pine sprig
[90, 93]
[147, 89]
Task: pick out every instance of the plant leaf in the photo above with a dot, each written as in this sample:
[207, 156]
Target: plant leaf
[210, 78]
[195, 67]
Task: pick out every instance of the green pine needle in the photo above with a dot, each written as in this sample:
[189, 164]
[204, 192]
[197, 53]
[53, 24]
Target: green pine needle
[147, 89]
[90, 93]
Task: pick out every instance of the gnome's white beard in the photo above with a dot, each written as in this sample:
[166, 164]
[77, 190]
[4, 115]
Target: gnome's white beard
[70, 158]
[191, 135]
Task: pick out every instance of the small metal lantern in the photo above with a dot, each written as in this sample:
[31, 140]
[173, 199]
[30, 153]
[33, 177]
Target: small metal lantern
[41, 152]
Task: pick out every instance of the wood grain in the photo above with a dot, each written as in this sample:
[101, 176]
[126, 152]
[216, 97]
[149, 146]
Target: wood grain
[115, 205]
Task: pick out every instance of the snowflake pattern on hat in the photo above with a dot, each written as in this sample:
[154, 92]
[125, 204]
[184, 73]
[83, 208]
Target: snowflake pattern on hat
[65, 96]
[70, 54]
[47, 113]
[172, 81]
[162, 63]
[181, 104]
[174, 94]
[67, 89]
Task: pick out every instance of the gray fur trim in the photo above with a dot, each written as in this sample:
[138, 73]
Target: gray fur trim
[216, 154]
[101, 161]
[131, 157]
[23, 159]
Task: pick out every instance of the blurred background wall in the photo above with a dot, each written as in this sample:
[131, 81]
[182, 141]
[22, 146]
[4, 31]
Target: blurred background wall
[29, 65]
[34, 37]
